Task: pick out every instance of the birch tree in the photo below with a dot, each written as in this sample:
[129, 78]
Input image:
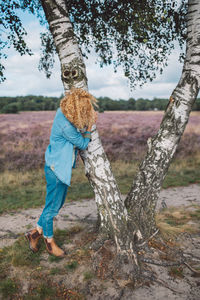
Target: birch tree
[111, 210]
[131, 222]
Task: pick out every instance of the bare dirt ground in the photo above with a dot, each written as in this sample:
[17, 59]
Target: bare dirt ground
[84, 211]
[166, 286]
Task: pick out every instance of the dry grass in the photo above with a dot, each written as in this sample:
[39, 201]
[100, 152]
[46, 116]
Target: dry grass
[175, 220]
[188, 162]
[15, 178]
[21, 190]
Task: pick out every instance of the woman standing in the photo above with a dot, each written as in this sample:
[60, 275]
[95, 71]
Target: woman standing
[76, 113]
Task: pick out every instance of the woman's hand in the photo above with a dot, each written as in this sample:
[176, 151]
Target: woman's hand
[89, 128]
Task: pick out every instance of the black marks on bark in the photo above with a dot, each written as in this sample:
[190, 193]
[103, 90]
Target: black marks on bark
[73, 72]
[65, 37]
[193, 81]
[63, 11]
[49, 9]
[69, 34]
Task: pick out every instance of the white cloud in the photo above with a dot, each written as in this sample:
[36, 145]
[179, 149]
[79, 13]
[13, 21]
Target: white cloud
[104, 82]
[23, 76]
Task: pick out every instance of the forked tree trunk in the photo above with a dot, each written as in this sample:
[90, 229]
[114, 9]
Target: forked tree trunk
[142, 198]
[126, 223]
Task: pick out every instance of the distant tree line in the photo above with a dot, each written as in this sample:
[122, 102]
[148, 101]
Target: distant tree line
[28, 103]
[36, 103]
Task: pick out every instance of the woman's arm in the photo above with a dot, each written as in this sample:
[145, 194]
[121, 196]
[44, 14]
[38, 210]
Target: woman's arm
[72, 135]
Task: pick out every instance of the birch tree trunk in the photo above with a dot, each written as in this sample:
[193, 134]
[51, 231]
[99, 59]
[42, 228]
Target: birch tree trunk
[111, 209]
[141, 200]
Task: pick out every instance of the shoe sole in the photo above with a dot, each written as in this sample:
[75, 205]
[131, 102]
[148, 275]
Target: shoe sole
[29, 242]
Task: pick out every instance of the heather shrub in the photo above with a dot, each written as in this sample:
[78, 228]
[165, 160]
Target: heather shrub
[25, 136]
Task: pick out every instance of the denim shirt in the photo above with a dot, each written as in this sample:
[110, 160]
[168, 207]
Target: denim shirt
[64, 139]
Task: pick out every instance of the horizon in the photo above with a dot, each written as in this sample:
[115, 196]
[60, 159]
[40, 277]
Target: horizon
[141, 98]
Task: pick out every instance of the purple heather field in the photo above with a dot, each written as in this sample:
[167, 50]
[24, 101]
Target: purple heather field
[25, 136]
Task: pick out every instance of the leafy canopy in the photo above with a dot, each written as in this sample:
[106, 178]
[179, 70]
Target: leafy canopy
[138, 35]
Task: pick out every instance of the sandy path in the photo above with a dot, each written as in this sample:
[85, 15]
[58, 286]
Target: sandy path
[14, 223]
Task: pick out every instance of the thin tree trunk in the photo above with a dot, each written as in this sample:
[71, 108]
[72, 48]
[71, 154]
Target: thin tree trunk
[142, 198]
[111, 209]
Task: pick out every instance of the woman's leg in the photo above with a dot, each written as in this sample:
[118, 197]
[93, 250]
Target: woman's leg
[55, 198]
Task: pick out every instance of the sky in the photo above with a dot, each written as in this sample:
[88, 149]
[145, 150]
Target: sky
[24, 78]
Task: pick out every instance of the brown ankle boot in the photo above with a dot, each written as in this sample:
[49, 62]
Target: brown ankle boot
[53, 249]
[33, 237]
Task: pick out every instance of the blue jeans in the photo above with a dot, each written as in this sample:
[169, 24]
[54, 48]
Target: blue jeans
[56, 192]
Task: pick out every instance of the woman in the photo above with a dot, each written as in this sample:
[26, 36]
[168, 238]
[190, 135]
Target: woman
[76, 113]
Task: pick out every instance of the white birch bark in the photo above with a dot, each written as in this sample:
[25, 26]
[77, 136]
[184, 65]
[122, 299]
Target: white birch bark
[143, 196]
[110, 206]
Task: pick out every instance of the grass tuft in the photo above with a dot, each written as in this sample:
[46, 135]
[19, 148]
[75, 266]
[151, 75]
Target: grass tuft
[55, 271]
[175, 220]
[176, 272]
[43, 291]
[195, 215]
[8, 288]
[87, 275]
[19, 254]
[72, 266]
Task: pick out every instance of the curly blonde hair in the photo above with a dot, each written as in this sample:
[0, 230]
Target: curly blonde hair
[77, 106]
